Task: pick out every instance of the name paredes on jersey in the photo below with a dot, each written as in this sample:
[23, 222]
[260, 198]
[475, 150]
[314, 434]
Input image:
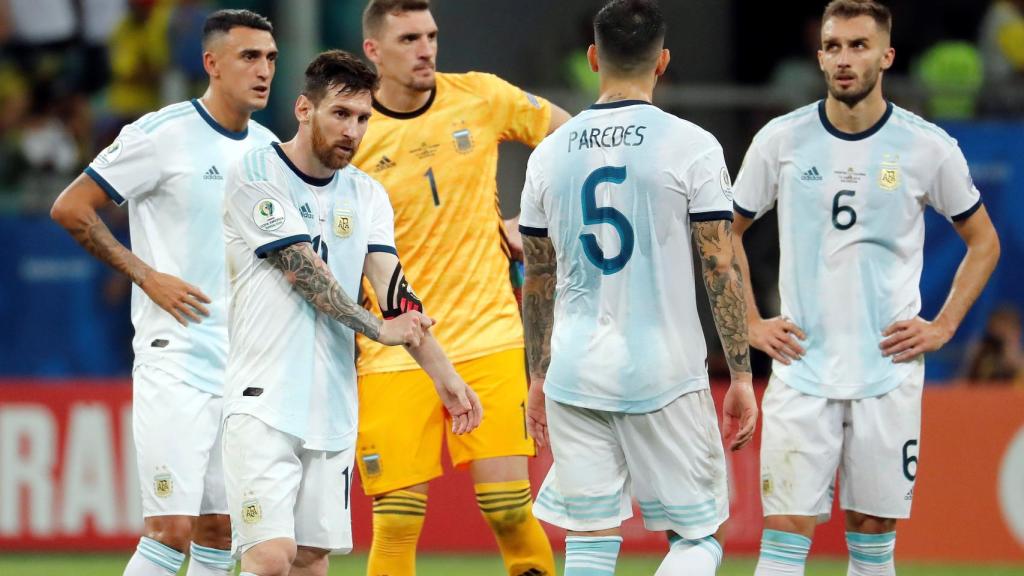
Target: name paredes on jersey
[607, 137]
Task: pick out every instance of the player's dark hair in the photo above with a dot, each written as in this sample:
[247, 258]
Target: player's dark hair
[847, 9]
[339, 71]
[629, 34]
[377, 10]
[222, 21]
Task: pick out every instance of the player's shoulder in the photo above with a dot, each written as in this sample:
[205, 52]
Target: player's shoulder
[166, 118]
[921, 129]
[787, 123]
[686, 132]
[261, 133]
[472, 81]
[257, 164]
[362, 180]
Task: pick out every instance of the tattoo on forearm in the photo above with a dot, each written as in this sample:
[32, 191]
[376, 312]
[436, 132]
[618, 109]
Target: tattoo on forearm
[97, 239]
[311, 277]
[724, 285]
[538, 303]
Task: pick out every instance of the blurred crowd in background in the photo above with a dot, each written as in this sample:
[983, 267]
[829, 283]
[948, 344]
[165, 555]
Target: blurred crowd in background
[73, 72]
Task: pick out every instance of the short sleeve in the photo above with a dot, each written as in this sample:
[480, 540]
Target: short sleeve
[710, 188]
[953, 193]
[519, 115]
[382, 224]
[532, 219]
[757, 183]
[265, 217]
[129, 167]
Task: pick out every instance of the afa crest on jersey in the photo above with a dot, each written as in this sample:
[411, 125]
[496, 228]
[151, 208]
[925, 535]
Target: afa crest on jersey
[463, 141]
[889, 178]
[344, 222]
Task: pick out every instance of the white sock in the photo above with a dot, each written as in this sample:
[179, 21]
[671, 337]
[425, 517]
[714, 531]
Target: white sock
[782, 554]
[209, 561]
[871, 554]
[591, 555]
[699, 557]
[152, 558]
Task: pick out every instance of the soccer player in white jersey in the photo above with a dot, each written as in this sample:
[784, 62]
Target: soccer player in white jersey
[851, 176]
[169, 167]
[302, 227]
[619, 384]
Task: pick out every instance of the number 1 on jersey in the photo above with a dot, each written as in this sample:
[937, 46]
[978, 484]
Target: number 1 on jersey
[433, 186]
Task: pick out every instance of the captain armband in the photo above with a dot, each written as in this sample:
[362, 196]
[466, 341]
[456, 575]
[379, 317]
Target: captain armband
[400, 297]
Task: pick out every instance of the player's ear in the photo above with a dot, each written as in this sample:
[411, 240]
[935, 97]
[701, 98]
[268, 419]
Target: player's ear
[888, 58]
[370, 49]
[821, 60]
[592, 57]
[210, 64]
[663, 60]
[303, 109]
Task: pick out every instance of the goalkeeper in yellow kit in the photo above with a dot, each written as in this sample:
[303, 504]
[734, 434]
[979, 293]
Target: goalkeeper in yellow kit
[433, 143]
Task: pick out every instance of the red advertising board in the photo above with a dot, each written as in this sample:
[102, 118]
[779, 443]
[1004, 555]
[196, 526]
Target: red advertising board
[68, 481]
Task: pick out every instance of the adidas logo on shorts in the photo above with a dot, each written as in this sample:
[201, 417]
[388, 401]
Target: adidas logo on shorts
[811, 175]
[212, 174]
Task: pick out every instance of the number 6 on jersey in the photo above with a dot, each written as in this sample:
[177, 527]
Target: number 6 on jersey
[593, 214]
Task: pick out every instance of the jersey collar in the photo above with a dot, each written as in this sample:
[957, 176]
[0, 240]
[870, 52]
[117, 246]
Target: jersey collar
[618, 104]
[405, 115]
[213, 123]
[302, 175]
[846, 135]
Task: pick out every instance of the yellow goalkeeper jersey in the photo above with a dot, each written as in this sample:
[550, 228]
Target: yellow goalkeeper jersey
[438, 165]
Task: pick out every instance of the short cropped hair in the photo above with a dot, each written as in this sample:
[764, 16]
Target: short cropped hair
[629, 34]
[340, 71]
[847, 9]
[222, 21]
[377, 10]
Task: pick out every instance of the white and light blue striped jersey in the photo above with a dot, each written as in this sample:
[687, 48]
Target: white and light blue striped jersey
[290, 365]
[615, 189]
[169, 167]
[851, 233]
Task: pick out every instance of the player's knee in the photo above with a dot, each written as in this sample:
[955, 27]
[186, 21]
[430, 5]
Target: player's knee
[802, 525]
[312, 560]
[213, 531]
[270, 558]
[171, 531]
[868, 524]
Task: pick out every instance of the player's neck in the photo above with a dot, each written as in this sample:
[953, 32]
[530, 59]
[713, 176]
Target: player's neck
[399, 98]
[226, 115]
[615, 89]
[858, 118]
[300, 151]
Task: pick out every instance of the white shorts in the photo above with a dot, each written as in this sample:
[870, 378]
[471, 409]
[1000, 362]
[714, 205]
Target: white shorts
[671, 460]
[177, 433]
[872, 441]
[278, 489]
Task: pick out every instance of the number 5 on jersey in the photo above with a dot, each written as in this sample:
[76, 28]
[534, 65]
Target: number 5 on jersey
[594, 214]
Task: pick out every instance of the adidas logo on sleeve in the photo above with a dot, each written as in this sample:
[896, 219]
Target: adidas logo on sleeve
[212, 174]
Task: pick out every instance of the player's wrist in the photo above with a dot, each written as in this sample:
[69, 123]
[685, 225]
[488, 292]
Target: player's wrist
[742, 379]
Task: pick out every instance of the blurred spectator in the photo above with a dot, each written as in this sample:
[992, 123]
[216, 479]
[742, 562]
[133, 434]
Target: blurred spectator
[1001, 40]
[186, 78]
[139, 55]
[798, 78]
[951, 72]
[999, 356]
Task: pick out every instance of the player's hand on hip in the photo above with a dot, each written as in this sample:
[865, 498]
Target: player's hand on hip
[536, 414]
[907, 339]
[461, 402]
[407, 329]
[775, 337]
[739, 413]
[179, 298]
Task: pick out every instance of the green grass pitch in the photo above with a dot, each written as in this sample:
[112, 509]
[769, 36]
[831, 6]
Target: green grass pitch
[466, 565]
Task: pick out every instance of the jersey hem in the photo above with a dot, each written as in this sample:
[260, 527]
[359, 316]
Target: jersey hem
[338, 443]
[176, 370]
[455, 359]
[644, 406]
[845, 392]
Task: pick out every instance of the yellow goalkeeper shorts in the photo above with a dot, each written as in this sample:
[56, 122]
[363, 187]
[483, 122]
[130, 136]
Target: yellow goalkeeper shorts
[402, 422]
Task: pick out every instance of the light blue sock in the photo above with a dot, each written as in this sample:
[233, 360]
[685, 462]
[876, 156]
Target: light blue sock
[591, 555]
[209, 561]
[782, 553]
[871, 554]
[149, 552]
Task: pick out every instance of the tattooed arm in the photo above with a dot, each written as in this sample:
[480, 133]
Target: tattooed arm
[724, 285]
[538, 321]
[308, 273]
[75, 210]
